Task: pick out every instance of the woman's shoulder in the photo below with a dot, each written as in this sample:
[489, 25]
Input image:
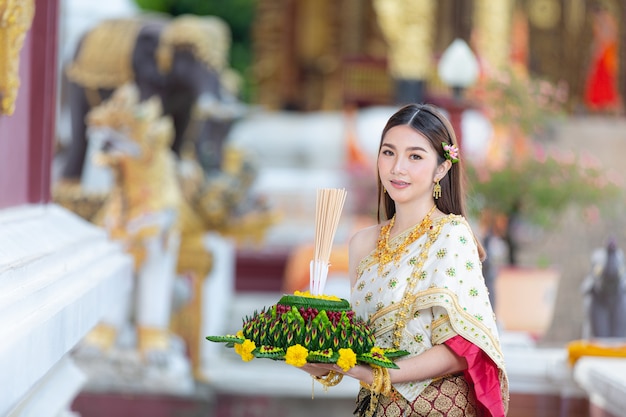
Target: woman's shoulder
[365, 236]
[454, 228]
[454, 224]
[364, 241]
[452, 220]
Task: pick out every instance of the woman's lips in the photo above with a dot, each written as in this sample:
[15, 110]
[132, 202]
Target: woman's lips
[399, 184]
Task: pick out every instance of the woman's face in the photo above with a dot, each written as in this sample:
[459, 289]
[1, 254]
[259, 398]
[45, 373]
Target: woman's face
[406, 165]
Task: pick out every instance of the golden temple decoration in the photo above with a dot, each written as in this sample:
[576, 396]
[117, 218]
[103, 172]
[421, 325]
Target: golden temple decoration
[575, 15]
[16, 18]
[105, 56]
[544, 14]
[409, 29]
[268, 32]
[493, 31]
[148, 187]
[145, 183]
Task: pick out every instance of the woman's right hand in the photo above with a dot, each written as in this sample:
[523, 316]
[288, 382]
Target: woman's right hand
[317, 369]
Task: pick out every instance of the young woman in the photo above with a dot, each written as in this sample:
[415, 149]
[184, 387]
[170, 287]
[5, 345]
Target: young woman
[417, 277]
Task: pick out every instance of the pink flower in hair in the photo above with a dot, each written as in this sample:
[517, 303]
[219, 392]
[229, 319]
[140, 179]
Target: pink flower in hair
[451, 152]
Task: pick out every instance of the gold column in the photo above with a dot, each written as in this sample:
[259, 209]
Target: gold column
[16, 17]
[492, 26]
[408, 27]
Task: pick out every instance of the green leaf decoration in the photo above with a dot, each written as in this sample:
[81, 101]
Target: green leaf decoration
[395, 353]
[377, 360]
[318, 303]
[269, 352]
[229, 338]
[323, 356]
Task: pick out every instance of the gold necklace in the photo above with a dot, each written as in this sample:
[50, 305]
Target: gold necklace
[385, 254]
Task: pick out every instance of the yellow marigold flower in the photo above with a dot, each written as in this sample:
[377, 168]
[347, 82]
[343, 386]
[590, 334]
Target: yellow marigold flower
[245, 350]
[320, 296]
[347, 359]
[296, 355]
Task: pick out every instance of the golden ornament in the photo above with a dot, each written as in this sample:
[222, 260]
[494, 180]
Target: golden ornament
[385, 254]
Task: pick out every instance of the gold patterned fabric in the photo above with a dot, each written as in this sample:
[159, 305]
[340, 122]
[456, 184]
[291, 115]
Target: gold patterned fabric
[445, 397]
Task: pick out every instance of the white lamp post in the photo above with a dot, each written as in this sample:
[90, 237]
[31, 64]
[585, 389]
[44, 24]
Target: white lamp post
[458, 67]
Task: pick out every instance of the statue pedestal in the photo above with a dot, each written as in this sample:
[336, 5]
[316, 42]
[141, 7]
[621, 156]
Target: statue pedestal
[124, 370]
[59, 275]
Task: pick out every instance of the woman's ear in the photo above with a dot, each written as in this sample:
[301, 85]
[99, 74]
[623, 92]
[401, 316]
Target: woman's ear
[443, 169]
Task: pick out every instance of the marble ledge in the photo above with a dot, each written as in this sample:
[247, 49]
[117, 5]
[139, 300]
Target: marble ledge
[604, 379]
[58, 276]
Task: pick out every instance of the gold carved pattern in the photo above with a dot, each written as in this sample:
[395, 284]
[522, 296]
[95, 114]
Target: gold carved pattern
[544, 14]
[575, 16]
[493, 31]
[316, 37]
[16, 18]
[105, 56]
[409, 30]
[268, 34]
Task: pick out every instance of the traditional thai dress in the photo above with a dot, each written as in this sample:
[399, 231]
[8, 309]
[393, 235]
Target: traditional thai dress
[434, 293]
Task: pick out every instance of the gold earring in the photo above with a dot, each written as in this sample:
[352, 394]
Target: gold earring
[384, 190]
[437, 190]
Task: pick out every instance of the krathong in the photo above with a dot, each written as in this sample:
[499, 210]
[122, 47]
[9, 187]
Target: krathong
[302, 328]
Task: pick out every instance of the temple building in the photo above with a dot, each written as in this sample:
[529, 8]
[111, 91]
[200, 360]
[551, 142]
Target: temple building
[325, 55]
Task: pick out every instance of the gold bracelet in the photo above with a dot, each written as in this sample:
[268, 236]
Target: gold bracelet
[329, 380]
[381, 381]
[381, 384]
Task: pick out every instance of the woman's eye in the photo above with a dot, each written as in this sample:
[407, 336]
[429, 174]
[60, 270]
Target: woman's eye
[387, 152]
[415, 156]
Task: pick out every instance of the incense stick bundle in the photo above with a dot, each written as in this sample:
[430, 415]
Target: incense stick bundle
[328, 207]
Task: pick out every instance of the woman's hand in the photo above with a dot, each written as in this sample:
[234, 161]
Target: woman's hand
[318, 369]
[359, 372]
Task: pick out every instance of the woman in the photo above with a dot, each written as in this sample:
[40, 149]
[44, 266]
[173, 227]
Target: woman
[417, 277]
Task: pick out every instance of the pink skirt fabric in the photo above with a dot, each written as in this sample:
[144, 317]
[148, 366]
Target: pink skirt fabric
[482, 375]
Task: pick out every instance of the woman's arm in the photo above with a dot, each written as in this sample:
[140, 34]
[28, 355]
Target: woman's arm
[435, 362]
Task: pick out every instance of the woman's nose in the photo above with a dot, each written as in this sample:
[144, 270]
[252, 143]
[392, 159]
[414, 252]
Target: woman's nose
[397, 167]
